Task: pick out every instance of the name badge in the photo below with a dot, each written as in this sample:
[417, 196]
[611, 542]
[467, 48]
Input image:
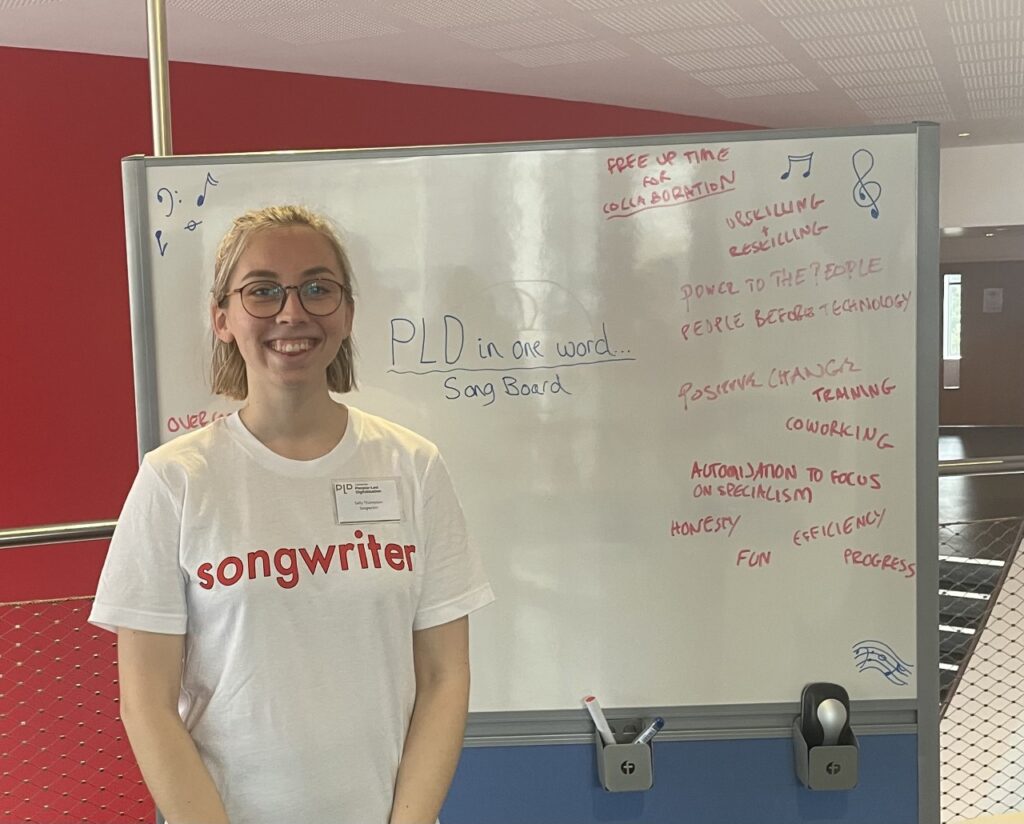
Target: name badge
[363, 500]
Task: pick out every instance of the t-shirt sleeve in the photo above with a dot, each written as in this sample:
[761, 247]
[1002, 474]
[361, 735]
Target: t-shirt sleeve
[454, 583]
[142, 585]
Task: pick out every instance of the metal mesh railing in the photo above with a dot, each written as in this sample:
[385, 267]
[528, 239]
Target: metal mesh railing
[981, 621]
[64, 757]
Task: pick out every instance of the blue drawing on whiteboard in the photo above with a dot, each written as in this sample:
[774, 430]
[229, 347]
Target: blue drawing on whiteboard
[804, 158]
[192, 225]
[210, 181]
[866, 193]
[875, 655]
[170, 199]
[160, 245]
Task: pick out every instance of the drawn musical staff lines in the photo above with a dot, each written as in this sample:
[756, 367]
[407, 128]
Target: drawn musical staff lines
[866, 193]
[798, 159]
[876, 655]
[168, 198]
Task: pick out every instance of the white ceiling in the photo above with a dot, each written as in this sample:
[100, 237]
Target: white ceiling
[774, 63]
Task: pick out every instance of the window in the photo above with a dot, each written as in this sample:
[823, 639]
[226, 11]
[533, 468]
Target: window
[951, 287]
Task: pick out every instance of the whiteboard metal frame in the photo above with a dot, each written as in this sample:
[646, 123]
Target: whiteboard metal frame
[927, 475]
[907, 716]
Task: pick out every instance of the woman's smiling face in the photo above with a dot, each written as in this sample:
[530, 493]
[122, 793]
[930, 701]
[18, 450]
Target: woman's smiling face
[293, 348]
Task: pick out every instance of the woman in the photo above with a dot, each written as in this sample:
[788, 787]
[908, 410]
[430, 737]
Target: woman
[290, 585]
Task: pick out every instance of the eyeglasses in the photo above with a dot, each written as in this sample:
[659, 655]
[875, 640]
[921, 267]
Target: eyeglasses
[265, 298]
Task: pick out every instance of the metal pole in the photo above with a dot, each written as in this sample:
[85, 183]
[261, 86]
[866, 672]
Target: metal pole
[159, 92]
[56, 533]
[995, 465]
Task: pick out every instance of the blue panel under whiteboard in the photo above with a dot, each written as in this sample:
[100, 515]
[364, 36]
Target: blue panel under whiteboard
[674, 385]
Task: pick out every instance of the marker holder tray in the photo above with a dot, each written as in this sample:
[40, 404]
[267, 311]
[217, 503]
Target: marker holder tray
[826, 768]
[625, 766]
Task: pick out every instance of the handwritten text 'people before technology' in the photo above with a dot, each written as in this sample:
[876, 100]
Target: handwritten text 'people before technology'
[773, 316]
[424, 348]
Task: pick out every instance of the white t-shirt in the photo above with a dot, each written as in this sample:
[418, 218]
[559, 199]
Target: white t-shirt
[298, 681]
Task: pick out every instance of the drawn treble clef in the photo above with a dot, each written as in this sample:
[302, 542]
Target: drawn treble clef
[866, 193]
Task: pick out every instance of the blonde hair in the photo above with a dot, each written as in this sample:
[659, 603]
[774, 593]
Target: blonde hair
[227, 368]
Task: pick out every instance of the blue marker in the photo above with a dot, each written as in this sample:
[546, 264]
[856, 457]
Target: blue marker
[650, 732]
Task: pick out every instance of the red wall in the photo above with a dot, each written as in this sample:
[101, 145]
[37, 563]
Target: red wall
[67, 420]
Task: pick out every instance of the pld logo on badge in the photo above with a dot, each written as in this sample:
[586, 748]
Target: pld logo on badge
[366, 500]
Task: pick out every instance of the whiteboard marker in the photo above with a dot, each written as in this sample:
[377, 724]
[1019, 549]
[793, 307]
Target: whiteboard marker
[651, 731]
[590, 702]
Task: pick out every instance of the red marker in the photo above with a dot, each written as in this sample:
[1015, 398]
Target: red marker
[590, 702]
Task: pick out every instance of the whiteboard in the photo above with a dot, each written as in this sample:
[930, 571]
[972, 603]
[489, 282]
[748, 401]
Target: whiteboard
[676, 388]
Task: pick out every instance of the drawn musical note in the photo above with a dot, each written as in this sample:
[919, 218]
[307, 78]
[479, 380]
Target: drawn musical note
[161, 246]
[210, 181]
[170, 198]
[866, 193]
[875, 655]
[192, 225]
[806, 158]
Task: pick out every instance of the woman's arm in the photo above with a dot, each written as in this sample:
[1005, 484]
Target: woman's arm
[149, 671]
[434, 742]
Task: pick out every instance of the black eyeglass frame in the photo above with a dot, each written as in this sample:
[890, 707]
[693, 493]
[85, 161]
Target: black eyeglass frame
[345, 291]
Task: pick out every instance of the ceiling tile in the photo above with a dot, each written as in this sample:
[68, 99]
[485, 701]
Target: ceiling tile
[446, 14]
[320, 27]
[907, 107]
[872, 62]
[775, 71]
[896, 41]
[788, 8]
[995, 31]
[944, 116]
[846, 24]
[989, 51]
[522, 33]
[724, 60]
[563, 53]
[1013, 67]
[765, 89]
[671, 16]
[966, 11]
[721, 37]
[886, 78]
[992, 111]
[247, 9]
[593, 5]
[13, 4]
[981, 96]
[993, 81]
[922, 90]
